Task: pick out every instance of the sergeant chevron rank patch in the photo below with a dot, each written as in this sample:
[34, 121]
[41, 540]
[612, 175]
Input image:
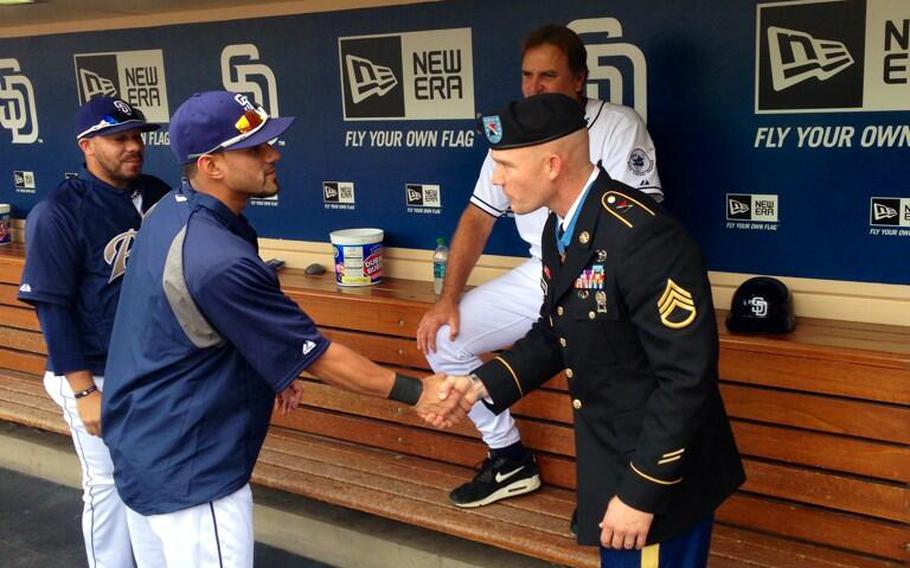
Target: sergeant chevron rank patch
[676, 307]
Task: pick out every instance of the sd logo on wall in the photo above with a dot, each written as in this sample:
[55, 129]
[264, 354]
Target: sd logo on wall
[412, 76]
[17, 103]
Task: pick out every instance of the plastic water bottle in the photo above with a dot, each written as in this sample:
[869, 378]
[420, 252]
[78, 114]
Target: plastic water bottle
[440, 258]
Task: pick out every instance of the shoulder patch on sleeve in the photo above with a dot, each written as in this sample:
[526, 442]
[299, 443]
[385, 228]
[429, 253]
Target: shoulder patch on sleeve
[676, 306]
[624, 207]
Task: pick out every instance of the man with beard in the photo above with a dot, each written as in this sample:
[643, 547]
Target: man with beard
[204, 339]
[77, 242]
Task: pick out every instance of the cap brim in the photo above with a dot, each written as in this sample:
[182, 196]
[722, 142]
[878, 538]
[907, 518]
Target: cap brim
[273, 128]
[140, 125]
[755, 325]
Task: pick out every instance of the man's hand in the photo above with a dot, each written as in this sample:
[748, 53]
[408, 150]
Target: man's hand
[469, 386]
[89, 408]
[288, 399]
[467, 390]
[624, 527]
[445, 401]
[443, 312]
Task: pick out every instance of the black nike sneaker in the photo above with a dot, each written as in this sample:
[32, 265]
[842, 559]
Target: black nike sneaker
[498, 478]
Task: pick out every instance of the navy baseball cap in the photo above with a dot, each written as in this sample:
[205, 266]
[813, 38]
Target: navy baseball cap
[533, 120]
[761, 305]
[220, 120]
[108, 115]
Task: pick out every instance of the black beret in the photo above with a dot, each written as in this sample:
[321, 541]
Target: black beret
[534, 120]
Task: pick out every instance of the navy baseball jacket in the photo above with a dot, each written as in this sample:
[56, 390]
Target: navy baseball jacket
[77, 241]
[202, 341]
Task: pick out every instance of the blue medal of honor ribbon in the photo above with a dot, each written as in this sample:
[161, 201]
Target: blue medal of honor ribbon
[564, 239]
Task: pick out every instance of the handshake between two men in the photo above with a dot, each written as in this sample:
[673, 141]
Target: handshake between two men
[455, 395]
[441, 400]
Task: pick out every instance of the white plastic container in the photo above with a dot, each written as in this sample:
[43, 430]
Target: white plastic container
[5, 235]
[358, 256]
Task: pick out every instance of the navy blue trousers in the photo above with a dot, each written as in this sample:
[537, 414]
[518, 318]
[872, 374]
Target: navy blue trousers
[687, 550]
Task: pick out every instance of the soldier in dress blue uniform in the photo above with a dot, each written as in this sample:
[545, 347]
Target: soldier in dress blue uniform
[628, 315]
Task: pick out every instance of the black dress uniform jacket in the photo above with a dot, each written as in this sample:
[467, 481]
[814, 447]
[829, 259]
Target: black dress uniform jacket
[628, 314]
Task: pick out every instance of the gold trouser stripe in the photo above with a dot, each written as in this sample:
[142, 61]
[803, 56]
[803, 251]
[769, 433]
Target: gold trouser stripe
[649, 478]
[650, 556]
[514, 376]
[668, 460]
[671, 454]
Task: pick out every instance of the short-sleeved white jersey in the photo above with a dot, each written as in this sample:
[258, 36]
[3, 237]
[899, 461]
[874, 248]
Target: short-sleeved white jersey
[619, 141]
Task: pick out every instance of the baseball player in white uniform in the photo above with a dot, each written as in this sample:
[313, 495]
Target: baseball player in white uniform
[456, 330]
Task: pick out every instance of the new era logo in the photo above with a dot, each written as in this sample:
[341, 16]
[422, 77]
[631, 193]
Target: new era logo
[797, 56]
[810, 55]
[881, 212]
[93, 85]
[737, 207]
[423, 195]
[889, 211]
[135, 76]
[414, 195]
[420, 75]
[831, 56]
[367, 79]
[371, 68]
[24, 179]
[338, 192]
[752, 207]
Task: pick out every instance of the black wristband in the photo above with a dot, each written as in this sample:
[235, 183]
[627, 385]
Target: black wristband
[86, 392]
[406, 389]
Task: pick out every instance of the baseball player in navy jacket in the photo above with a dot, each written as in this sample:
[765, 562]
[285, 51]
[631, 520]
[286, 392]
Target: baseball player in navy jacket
[204, 339]
[77, 241]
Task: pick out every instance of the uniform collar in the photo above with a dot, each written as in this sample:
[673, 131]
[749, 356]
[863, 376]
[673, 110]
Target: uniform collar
[98, 182]
[570, 214]
[582, 246]
[237, 224]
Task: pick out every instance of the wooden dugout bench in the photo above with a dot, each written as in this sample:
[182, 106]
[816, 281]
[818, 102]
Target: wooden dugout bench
[821, 417]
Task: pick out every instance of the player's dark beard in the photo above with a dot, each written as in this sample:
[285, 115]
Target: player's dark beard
[113, 170]
[267, 192]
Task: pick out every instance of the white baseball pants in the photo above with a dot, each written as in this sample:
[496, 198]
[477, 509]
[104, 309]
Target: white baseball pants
[104, 529]
[217, 534]
[494, 315]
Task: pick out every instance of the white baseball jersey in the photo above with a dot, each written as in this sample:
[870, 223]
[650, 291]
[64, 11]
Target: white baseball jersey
[618, 140]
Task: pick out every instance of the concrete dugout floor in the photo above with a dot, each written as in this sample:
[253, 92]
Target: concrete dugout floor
[40, 508]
